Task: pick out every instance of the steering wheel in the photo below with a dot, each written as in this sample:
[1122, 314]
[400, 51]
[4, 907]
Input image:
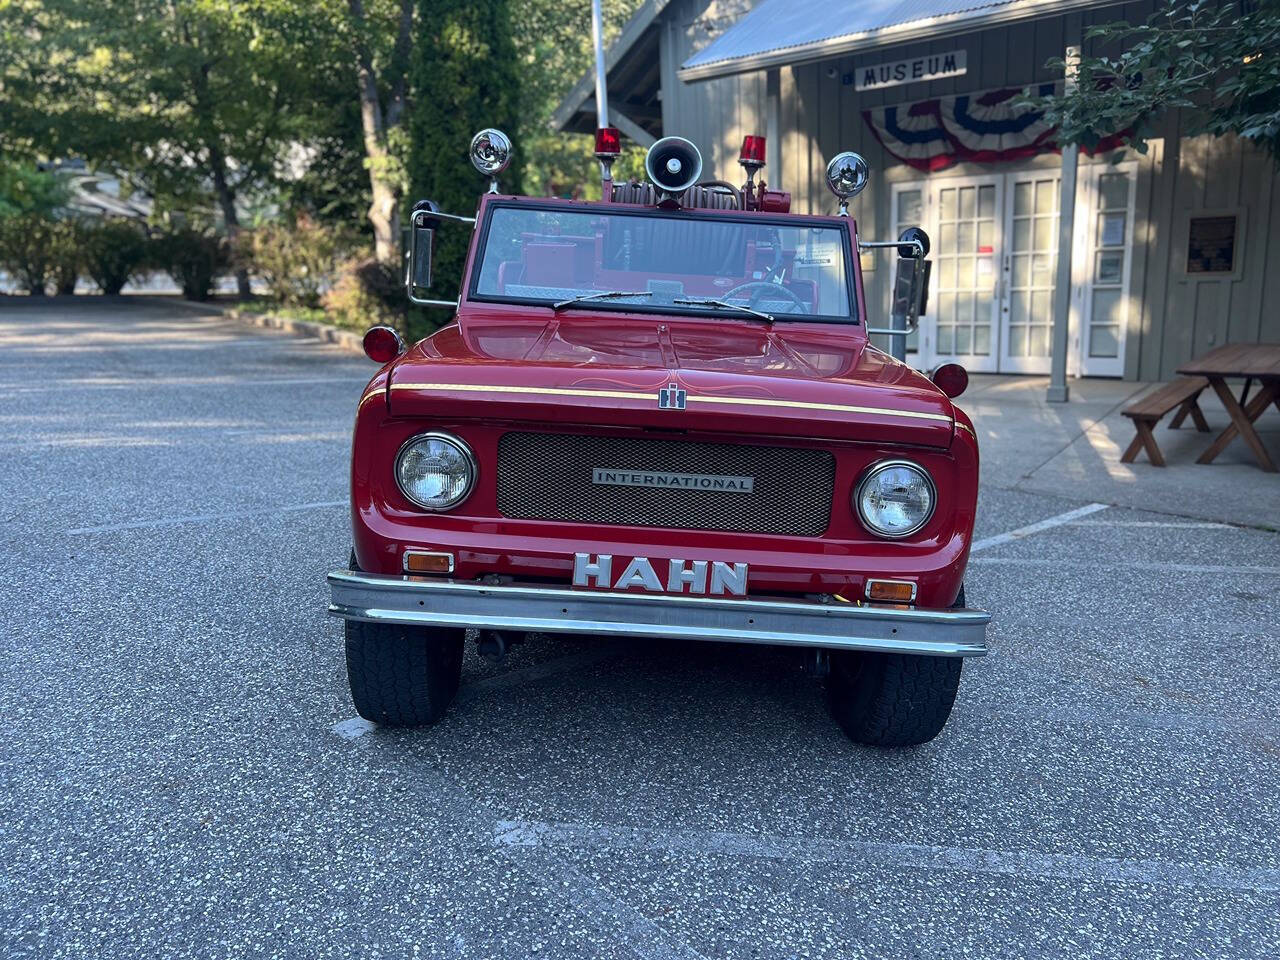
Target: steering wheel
[763, 286]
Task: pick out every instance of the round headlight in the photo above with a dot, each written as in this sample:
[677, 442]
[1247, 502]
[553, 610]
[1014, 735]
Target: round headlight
[895, 498]
[435, 470]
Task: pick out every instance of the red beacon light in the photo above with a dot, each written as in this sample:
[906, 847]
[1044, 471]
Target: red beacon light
[752, 154]
[382, 344]
[951, 378]
[608, 142]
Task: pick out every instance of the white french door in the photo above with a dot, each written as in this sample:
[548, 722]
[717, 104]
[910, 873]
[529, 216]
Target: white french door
[1029, 268]
[963, 299]
[1105, 263]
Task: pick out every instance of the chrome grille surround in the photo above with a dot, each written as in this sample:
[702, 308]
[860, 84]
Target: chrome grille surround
[548, 476]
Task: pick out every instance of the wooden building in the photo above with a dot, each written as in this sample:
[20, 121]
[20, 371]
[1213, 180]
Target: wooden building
[1174, 251]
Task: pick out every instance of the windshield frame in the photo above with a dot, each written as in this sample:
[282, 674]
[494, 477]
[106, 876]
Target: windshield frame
[843, 226]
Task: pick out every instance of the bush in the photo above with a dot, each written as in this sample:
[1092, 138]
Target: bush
[67, 255]
[193, 258]
[29, 250]
[298, 263]
[114, 252]
[367, 293]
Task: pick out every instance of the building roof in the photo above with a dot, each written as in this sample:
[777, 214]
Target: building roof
[781, 32]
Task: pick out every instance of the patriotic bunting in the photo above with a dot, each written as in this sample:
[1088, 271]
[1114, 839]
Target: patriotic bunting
[987, 127]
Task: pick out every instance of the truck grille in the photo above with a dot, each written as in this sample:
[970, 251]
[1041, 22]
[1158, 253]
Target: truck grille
[548, 476]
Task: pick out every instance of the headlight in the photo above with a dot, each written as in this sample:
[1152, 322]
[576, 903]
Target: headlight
[895, 498]
[435, 470]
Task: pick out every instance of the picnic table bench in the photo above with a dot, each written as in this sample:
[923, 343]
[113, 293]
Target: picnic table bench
[1183, 393]
[1250, 361]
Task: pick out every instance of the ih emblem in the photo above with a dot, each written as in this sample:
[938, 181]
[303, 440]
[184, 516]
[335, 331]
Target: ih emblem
[671, 397]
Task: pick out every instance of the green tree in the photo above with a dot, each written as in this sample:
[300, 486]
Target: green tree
[1218, 61]
[464, 78]
[199, 99]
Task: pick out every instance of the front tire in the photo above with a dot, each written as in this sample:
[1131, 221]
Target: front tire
[403, 676]
[892, 699]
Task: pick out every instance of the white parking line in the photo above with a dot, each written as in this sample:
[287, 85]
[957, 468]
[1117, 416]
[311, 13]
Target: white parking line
[206, 517]
[888, 856]
[1188, 525]
[1001, 538]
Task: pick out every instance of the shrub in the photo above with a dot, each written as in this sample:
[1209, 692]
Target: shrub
[28, 250]
[115, 251]
[298, 262]
[193, 258]
[367, 292]
[67, 255]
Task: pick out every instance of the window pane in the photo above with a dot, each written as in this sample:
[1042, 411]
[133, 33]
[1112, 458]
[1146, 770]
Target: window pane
[1022, 270]
[910, 207]
[1104, 340]
[1021, 199]
[946, 339]
[1017, 341]
[946, 271]
[982, 340]
[1021, 235]
[1046, 196]
[1044, 233]
[947, 202]
[1107, 307]
[965, 278]
[947, 239]
[1110, 266]
[966, 238]
[964, 310]
[946, 308]
[1114, 190]
[964, 339]
[1042, 267]
[1038, 342]
[1111, 229]
[1019, 307]
[986, 236]
[1041, 307]
[967, 198]
[987, 201]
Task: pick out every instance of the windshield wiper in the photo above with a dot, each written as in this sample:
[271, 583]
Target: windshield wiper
[724, 305]
[603, 295]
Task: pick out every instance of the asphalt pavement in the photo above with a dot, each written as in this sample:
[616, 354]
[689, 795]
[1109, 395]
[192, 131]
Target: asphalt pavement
[182, 773]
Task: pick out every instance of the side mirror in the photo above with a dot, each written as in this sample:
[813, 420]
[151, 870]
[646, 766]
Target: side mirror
[421, 242]
[910, 290]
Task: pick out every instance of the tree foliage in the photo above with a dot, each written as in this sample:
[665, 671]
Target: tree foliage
[465, 79]
[1218, 61]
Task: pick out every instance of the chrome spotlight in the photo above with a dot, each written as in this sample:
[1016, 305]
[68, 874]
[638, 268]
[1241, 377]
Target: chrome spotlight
[491, 154]
[847, 175]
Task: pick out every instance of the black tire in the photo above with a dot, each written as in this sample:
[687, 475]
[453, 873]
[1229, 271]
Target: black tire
[403, 676]
[893, 699]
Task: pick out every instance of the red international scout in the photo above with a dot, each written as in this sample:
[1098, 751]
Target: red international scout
[660, 416]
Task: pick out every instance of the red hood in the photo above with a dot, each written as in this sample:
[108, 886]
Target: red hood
[798, 379]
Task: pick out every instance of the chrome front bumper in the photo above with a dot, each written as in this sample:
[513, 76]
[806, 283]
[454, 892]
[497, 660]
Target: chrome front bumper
[430, 602]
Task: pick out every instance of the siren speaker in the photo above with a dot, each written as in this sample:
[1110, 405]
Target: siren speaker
[673, 164]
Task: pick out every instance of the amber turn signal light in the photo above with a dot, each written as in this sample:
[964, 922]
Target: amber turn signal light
[427, 561]
[891, 591]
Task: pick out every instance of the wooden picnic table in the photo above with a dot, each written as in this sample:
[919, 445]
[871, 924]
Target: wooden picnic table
[1252, 361]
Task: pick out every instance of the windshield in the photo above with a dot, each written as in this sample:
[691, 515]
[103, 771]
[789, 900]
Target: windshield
[672, 263]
